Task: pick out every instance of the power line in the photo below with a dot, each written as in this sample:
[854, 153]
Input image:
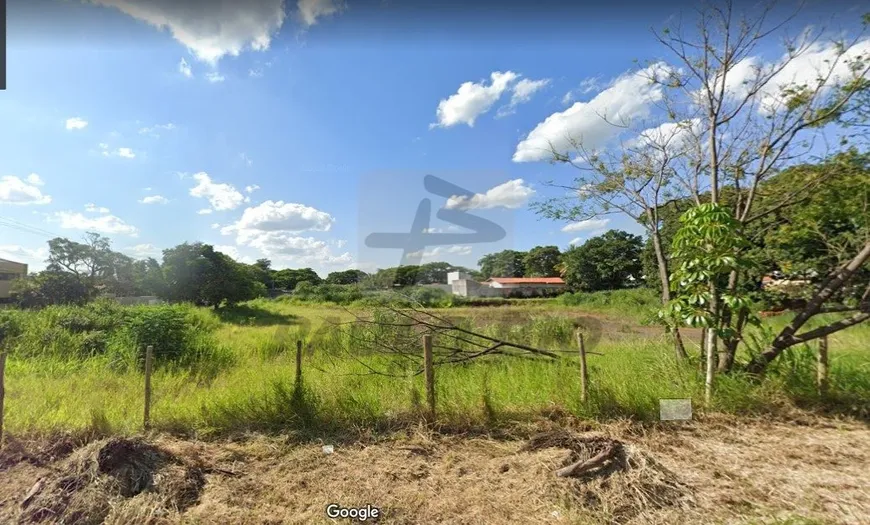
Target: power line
[20, 226]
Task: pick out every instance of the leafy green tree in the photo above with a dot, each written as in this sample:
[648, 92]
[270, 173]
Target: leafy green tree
[829, 226]
[148, 277]
[506, 263]
[199, 274]
[49, 288]
[382, 279]
[184, 270]
[288, 279]
[91, 259]
[707, 248]
[406, 275]
[606, 262]
[93, 263]
[541, 261]
[346, 277]
[264, 272]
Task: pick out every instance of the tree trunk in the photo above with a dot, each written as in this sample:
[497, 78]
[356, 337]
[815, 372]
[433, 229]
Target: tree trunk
[710, 347]
[703, 356]
[726, 359]
[664, 278]
[710, 344]
[786, 337]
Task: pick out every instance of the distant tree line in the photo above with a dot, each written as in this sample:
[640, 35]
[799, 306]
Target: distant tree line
[78, 272]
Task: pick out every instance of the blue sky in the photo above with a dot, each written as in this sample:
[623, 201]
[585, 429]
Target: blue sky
[292, 130]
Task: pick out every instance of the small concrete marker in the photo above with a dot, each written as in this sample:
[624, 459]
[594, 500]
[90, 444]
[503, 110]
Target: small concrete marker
[675, 409]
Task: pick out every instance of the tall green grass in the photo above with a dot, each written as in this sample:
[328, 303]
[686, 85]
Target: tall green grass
[61, 384]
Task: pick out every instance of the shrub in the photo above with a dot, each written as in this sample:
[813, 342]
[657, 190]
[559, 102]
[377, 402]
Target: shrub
[642, 303]
[181, 334]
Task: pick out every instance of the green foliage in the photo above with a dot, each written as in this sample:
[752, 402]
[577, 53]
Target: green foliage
[825, 224]
[10, 326]
[346, 277]
[181, 334]
[148, 278]
[607, 262]
[51, 287]
[197, 273]
[327, 293]
[642, 304]
[707, 248]
[58, 387]
[506, 263]
[829, 227]
[287, 279]
[542, 261]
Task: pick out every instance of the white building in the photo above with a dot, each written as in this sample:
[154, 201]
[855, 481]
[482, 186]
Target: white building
[10, 271]
[463, 285]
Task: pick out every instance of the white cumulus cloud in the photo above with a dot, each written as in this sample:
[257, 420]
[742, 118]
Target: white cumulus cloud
[34, 258]
[214, 77]
[233, 252]
[184, 68]
[471, 100]
[76, 123]
[13, 190]
[143, 251]
[155, 130]
[220, 196]
[102, 224]
[280, 216]
[273, 228]
[293, 249]
[587, 225]
[311, 10]
[511, 194]
[211, 29]
[629, 97]
[441, 251]
[522, 93]
[154, 199]
[817, 67]
[93, 208]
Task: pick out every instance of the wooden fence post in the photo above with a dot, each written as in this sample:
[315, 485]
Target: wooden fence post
[822, 366]
[298, 361]
[2, 391]
[429, 370]
[149, 362]
[584, 373]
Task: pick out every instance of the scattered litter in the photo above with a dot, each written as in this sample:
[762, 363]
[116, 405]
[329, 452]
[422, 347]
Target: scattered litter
[328, 449]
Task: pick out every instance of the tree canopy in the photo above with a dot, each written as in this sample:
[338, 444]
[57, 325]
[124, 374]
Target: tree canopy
[606, 262]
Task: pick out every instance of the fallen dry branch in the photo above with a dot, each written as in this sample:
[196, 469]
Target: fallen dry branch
[398, 334]
[581, 467]
[611, 477]
[113, 481]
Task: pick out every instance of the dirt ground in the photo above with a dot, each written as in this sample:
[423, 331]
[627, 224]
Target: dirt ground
[721, 470]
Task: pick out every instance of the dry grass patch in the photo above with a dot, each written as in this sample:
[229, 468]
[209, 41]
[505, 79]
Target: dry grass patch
[721, 470]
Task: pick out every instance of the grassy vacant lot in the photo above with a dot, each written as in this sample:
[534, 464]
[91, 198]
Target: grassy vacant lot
[236, 440]
[232, 371]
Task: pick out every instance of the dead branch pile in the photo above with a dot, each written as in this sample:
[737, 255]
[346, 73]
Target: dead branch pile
[397, 333]
[113, 481]
[613, 478]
